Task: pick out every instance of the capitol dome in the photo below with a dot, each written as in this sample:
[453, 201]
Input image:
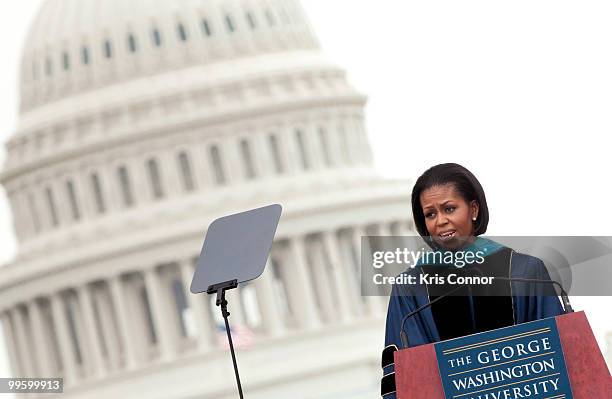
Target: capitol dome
[142, 121]
[79, 45]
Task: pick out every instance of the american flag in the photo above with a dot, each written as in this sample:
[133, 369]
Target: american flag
[242, 336]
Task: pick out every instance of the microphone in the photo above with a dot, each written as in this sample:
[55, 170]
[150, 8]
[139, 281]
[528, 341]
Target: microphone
[403, 335]
[567, 306]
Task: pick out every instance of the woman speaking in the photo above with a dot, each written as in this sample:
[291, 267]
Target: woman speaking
[450, 213]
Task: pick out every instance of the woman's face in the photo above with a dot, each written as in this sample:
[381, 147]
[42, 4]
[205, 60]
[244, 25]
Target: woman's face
[448, 217]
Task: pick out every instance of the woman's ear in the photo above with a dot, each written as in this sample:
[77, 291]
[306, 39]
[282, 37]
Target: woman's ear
[474, 209]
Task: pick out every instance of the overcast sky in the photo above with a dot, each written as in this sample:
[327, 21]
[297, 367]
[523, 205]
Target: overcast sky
[519, 92]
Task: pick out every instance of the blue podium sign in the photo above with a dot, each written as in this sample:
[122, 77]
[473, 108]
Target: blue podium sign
[522, 361]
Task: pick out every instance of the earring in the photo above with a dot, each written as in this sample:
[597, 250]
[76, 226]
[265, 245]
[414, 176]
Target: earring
[474, 219]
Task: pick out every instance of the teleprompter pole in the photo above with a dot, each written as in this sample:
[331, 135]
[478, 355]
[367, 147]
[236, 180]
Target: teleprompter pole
[221, 301]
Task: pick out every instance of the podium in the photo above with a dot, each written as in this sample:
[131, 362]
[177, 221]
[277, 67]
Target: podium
[419, 373]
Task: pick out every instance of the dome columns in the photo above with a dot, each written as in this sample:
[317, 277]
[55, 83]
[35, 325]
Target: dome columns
[127, 333]
[10, 343]
[42, 343]
[65, 347]
[272, 321]
[102, 326]
[341, 276]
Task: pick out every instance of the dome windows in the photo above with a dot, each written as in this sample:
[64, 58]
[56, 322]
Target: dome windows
[66, 60]
[251, 20]
[227, 162]
[229, 22]
[247, 157]
[303, 153]
[270, 18]
[85, 55]
[156, 36]
[276, 156]
[33, 213]
[132, 45]
[181, 32]
[155, 179]
[186, 172]
[74, 206]
[206, 30]
[324, 146]
[284, 16]
[126, 188]
[51, 205]
[217, 166]
[48, 66]
[96, 187]
[107, 48]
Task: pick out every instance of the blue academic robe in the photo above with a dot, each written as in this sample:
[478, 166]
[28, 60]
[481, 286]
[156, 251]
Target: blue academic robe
[530, 302]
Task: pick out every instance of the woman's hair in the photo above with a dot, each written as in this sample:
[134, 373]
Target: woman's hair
[466, 184]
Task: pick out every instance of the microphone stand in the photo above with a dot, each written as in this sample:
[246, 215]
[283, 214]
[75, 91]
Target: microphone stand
[403, 335]
[567, 306]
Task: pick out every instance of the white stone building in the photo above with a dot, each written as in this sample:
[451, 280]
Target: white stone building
[141, 121]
